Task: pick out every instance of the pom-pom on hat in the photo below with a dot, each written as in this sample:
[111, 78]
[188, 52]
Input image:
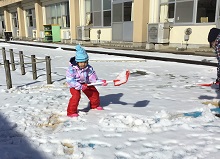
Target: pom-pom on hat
[81, 55]
[213, 33]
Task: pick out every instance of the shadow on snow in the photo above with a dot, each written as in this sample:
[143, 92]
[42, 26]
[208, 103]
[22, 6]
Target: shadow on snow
[13, 144]
[116, 99]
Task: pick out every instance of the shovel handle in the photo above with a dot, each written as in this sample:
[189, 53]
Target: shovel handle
[98, 83]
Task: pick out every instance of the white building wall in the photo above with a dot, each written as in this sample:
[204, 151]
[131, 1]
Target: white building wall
[106, 34]
[198, 37]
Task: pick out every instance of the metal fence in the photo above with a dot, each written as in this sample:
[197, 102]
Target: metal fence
[33, 62]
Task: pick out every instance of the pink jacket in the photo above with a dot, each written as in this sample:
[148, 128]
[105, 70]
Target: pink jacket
[75, 76]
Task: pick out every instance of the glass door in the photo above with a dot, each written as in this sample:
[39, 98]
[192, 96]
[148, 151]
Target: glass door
[122, 23]
[30, 22]
[15, 31]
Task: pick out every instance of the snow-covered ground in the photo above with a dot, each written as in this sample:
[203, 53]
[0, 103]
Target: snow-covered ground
[160, 113]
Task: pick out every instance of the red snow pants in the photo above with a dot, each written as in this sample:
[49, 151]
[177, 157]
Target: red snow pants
[91, 92]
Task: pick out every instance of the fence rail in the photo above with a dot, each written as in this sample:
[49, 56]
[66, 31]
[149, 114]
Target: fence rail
[22, 64]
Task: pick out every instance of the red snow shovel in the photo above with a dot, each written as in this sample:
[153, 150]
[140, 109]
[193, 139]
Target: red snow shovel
[208, 84]
[122, 78]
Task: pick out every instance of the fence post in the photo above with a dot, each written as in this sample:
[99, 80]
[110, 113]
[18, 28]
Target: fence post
[22, 62]
[34, 67]
[8, 74]
[48, 69]
[3, 54]
[12, 59]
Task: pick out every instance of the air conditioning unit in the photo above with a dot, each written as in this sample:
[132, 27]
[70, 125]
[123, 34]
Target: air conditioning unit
[34, 34]
[83, 33]
[66, 35]
[158, 32]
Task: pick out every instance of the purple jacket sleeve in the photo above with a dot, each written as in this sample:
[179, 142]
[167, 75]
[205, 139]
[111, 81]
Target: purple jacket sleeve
[217, 49]
[71, 80]
[75, 76]
[92, 75]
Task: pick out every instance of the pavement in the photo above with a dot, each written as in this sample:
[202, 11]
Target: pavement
[202, 56]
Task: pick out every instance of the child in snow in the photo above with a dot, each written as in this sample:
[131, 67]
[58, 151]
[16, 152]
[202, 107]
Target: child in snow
[214, 41]
[78, 75]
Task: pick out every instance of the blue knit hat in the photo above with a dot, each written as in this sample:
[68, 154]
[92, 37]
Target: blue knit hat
[81, 55]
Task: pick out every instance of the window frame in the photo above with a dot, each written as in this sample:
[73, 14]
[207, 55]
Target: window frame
[2, 20]
[105, 21]
[63, 17]
[101, 21]
[194, 11]
[121, 6]
[28, 15]
[15, 22]
[184, 2]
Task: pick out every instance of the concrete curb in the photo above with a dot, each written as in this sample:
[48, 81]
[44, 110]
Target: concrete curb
[206, 63]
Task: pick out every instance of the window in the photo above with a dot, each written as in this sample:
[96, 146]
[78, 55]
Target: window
[65, 15]
[101, 11]
[96, 8]
[88, 9]
[122, 12]
[2, 22]
[97, 19]
[14, 20]
[107, 18]
[58, 14]
[184, 11]
[117, 12]
[206, 11]
[30, 18]
[188, 11]
[166, 1]
[106, 12]
[127, 11]
[54, 15]
[167, 10]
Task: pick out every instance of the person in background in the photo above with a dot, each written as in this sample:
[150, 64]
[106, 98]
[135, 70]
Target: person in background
[214, 41]
[78, 75]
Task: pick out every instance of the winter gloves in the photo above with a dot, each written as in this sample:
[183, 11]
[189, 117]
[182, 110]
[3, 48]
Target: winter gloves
[84, 87]
[104, 83]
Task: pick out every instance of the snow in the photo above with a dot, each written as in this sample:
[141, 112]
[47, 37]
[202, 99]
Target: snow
[159, 113]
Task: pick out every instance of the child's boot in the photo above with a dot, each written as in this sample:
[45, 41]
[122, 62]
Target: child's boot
[99, 108]
[73, 115]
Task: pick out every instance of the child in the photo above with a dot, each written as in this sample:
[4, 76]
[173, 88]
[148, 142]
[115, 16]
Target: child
[78, 75]
[214, 41]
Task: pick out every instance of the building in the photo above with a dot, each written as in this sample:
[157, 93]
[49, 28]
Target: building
[140, 22]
